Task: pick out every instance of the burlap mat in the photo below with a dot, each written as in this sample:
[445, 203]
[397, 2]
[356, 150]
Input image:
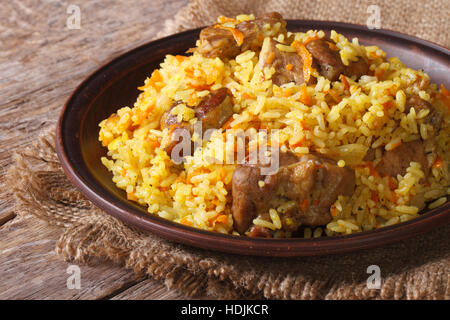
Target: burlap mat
[418, 268]
[424, 19]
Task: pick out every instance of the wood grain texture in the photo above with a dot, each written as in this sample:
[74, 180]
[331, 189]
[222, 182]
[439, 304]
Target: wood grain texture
[41, 63]
[31, 269]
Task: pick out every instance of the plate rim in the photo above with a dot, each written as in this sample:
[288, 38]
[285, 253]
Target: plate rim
[290, 247]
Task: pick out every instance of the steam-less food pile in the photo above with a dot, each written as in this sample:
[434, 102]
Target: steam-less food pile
[359, 141]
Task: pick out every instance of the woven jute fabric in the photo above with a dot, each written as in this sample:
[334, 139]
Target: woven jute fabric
[424, 19]
[417, 268]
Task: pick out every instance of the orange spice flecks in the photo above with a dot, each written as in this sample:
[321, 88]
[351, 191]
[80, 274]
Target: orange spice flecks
[306, 57]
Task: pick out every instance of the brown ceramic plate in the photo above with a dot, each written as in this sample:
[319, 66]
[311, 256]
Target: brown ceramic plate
[115, 85]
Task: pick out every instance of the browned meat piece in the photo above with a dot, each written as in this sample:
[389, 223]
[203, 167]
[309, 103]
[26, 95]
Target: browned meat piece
[316, 182]
[434, 117]
[213, 111]
[288, 65]
[370, 155]
[329, 60]
[357, 68]
[253, 36]
[170, 121]
[259, 232]
[311, 181]
[249, 198]
[216, 41]
[396, 161]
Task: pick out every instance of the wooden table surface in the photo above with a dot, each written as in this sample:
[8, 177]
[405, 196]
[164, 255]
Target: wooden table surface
[41, 62]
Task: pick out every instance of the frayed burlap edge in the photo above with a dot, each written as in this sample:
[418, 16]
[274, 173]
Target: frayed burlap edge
[427, 20]
[417, 269]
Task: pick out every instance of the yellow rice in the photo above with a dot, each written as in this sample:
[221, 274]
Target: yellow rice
[199, 194]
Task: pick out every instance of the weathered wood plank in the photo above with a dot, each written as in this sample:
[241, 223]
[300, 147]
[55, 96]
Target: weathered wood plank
[41, 62]
[147, 290]
[31, 269]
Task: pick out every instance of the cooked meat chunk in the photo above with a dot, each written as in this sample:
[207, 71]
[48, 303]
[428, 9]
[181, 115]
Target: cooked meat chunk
[313, 182]
[396, 161]
[370, 155]
[288, 65]
[329, 60]
[357, 68]
[170, 121]
[434, 117]
[217, 41]
[330, 63]
[253, 30]
[213, 111]
[259, 232]
[248, 197]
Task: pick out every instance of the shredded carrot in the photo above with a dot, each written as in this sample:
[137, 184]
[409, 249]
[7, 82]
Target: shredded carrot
[124, 172]
[389, 104]
[391, 183]
[191, 99]
[287, 93]
[164, 189]
[332, 46]
[172, 128]
[180, 58]
[335, 95]
[153, 143]
[394, 197]
[156, 77]
[186, 222]
[379, 73]
[200, 87]
[306, 57]
[374, 55]
[372, 170]
[445, 96]
[227, 124]
[189, 72]
[289, 66]
[438, 163]
[131, 196]
[374, 196]
[223, 173]
[222, 219]
[304, 205]
[248, 96]
[394, 146]
[237, 35]
[444, 91]
[299, 143]
[305, 125]
[334, 211]
[314, 37]
[223, 19]
[270, 58]
[305, 98]
[344, 81]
